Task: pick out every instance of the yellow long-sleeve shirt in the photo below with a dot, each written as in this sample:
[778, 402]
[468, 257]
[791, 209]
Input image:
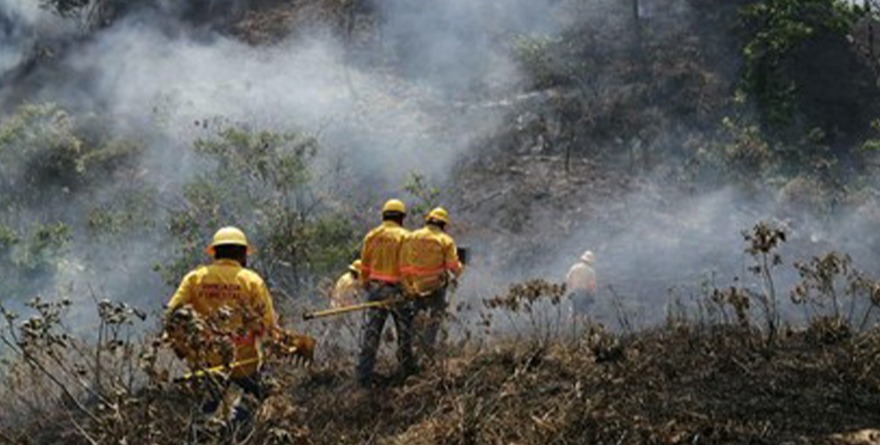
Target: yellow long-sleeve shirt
[380, 256]
[237, 302]
[425, 258]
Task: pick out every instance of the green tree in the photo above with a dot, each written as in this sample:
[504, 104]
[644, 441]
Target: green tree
[801, 68]
[53, 165]
[261, 181]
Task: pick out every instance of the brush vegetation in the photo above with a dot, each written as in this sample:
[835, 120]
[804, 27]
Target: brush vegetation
[775, 98]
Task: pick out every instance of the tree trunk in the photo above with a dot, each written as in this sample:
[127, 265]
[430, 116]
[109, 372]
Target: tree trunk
[637, 23]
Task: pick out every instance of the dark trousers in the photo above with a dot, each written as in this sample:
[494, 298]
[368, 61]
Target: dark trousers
[581, 301]
[251, 385]
[371, 333]
[433, 311]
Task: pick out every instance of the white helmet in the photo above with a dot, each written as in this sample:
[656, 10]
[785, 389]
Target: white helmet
[588, 257]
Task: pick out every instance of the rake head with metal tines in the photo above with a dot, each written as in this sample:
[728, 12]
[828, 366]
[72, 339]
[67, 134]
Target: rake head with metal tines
[299, 347]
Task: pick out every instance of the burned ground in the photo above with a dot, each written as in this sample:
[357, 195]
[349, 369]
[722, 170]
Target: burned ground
[632, 136]
[679, 384]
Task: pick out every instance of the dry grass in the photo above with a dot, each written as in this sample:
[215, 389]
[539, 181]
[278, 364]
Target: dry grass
[667, 386]
[716, 383]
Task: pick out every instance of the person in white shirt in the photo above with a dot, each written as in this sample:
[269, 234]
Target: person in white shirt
[580, 283]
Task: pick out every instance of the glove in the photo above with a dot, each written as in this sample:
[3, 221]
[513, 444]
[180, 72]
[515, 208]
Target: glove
[305, 347]
[300, 346]
[451, 280]
[408, 291]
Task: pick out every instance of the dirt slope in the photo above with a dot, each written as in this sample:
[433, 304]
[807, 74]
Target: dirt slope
[669, 386]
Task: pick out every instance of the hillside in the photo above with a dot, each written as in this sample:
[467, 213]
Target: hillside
[720, 160]
[679, 384]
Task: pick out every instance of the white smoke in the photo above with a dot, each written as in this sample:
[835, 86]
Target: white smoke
[390, 123]
[17, 19]
[158, 77]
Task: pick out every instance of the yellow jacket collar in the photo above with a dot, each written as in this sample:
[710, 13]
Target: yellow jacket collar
[434, 228]
[390, 224]
[227, 262]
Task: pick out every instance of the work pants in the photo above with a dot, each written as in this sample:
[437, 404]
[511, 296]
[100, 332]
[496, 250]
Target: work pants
[371, 334]
[218, 388]
[432, 309]
[581, 301]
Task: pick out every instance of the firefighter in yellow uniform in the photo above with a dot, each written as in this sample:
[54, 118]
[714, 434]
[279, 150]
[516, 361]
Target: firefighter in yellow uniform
[234, 307]
[428, 261]
[380, 276]
[348, 287]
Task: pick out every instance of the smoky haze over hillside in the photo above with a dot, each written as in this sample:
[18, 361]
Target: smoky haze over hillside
[656, 247]
[152, 66]
[22, 23]
[167, 83]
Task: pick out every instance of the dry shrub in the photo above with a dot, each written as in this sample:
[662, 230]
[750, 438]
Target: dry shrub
[762, 243]
[837, 297]
[115, 387]
[534, 310]
[681, 383]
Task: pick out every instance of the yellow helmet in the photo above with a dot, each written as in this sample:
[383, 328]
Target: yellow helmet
[438, 214]
[394, 205]
[355, 266]
[229, 236]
